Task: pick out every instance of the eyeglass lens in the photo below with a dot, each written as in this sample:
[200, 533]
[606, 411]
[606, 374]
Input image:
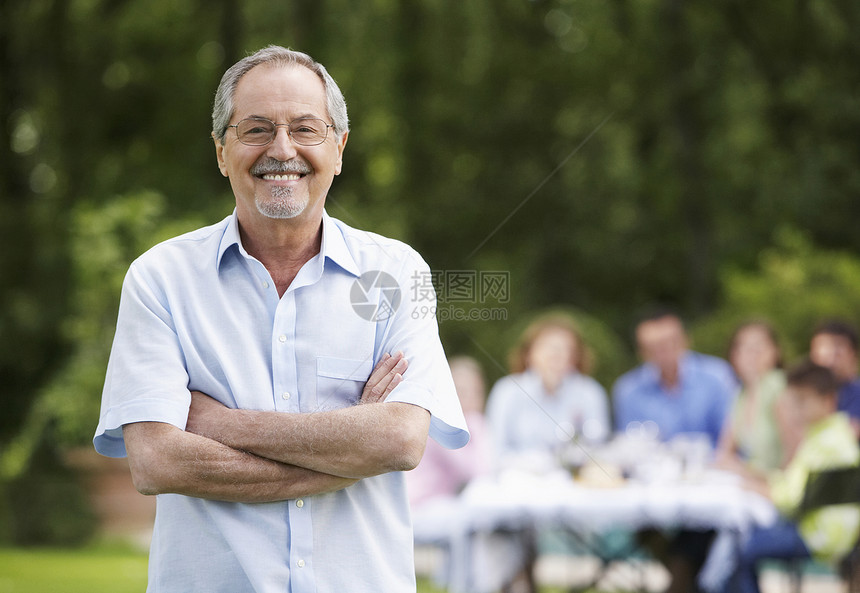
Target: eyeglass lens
[258, 131]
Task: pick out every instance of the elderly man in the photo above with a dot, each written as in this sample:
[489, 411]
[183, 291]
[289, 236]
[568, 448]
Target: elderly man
[243, 351]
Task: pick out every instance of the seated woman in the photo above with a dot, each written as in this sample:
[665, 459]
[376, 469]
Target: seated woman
[548, 399]
[758, 435]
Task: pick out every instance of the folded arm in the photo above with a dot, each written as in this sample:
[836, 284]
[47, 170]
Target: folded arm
[356, 442]
[164, 459]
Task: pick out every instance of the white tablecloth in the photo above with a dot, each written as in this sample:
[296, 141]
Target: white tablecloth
[518, 500]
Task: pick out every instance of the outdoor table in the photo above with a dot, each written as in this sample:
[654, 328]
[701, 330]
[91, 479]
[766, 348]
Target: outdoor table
[518, 501]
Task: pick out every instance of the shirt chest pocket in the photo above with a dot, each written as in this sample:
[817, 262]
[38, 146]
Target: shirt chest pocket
[340, 381]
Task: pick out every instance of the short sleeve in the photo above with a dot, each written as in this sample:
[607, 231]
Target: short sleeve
[427, 382]
[146, 376]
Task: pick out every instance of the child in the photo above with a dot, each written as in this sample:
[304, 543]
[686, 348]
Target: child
[828, 442]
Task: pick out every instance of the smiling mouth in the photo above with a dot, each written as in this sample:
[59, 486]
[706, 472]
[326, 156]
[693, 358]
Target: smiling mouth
[282, 176]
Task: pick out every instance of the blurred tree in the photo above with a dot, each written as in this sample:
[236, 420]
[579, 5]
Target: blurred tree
[603, 154]
[795, 286]
[92, 104]
[31, 261]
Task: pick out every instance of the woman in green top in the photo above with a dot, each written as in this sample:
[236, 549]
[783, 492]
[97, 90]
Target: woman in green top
[757, 436]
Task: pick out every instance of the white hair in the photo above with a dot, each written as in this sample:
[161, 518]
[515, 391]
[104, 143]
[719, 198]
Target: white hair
[222, 109]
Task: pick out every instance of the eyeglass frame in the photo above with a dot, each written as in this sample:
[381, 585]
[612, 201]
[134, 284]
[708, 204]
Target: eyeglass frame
[275, 130]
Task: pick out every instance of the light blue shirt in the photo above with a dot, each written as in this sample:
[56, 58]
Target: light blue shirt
[699, 403]
[525, 419]
[198, 313]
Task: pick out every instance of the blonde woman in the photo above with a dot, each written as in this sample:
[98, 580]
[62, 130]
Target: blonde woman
[548, 399]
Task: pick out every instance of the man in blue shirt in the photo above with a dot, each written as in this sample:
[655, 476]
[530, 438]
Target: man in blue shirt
[834, 345]
[679, 391]
[242, 369]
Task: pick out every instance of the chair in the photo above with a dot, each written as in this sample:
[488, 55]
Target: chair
[826, 488]
[830, 487]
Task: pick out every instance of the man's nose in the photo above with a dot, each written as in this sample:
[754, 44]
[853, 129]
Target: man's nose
[282, 147]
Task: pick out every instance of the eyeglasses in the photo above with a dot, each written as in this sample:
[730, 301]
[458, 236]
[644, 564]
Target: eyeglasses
[259, 131]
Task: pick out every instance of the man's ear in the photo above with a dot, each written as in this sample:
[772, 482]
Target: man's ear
[219, 154]
[341, 144]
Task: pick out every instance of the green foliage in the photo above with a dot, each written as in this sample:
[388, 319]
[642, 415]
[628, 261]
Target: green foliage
[605, 154]
[795, 286]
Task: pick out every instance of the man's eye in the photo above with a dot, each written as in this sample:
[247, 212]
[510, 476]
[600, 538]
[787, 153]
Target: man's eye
[305, 129]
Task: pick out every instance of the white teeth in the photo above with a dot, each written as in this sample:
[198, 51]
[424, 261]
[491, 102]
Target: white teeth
[289, 177]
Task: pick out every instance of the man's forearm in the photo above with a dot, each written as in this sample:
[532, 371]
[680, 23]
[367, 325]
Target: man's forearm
[164, 459]
[355, 442]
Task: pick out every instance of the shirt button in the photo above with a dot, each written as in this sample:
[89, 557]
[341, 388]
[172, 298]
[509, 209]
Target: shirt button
[282, 338]
[265, 284]
[300, 563]
[300, 503]
[286, 395]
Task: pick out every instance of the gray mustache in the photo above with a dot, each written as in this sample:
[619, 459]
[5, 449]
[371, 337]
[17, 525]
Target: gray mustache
[274, 166]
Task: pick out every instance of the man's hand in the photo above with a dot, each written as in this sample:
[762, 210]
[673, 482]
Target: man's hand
[387, 375]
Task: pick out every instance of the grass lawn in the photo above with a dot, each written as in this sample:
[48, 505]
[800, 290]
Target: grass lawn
[89, 570]
[108, 569]
[95, 569]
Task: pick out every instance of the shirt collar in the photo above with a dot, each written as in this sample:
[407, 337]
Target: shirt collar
[333, 245]
[230, 238]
